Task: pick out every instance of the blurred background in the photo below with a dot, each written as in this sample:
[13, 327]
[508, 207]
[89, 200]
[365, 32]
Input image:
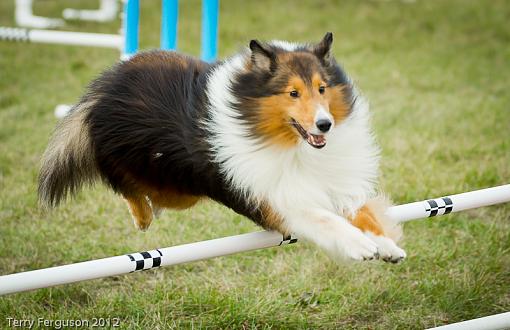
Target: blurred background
[436, 74]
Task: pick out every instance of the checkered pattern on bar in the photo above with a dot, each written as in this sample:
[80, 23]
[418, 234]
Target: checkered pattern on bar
[438, 206]
[288, 240]
[146, 260]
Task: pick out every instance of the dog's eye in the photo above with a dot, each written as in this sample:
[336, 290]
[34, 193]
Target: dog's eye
[294, 94]
[322, 89]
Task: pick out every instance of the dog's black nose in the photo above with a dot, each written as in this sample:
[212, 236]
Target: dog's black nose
[323, 125]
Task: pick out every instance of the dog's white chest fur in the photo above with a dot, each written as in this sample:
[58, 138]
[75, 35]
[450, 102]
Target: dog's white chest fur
[337, 178]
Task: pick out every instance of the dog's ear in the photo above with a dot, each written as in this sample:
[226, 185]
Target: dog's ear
[323, 49]
[261, 56]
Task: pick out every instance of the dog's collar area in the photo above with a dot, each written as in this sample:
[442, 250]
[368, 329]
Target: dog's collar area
[316, 141]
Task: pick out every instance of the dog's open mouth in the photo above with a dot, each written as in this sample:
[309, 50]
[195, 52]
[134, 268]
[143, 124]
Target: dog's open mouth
[316, 141]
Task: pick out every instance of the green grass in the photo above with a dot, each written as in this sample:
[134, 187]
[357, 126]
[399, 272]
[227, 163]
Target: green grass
[436, 73]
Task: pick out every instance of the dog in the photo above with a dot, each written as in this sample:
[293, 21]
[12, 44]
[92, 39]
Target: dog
[277, 132]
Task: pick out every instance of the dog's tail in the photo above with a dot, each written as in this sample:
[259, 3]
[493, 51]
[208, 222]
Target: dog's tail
[69, 160]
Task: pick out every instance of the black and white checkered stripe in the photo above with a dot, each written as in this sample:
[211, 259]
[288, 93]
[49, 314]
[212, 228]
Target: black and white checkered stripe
[14, 34]
[288, 240]
[146, 260]
[438, 206]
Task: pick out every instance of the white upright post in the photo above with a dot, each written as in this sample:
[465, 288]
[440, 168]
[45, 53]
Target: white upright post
[24, 17]
[107, 12]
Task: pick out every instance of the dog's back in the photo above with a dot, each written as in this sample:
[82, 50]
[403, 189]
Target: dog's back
[137, 128]
[147, 116]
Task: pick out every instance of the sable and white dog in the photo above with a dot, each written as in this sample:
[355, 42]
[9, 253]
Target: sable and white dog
[277, 133]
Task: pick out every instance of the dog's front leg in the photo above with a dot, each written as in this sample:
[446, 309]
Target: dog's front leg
[372, 220]
[333, 233]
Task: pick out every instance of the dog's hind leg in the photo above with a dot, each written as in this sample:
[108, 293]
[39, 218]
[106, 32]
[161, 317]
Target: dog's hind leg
[373, 222]
[140, 210]
[170, 198]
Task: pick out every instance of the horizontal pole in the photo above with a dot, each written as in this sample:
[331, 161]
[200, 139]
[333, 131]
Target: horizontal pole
[492, 322]
[62, 37]
[225, 246]
[450, 204]
[129, 263]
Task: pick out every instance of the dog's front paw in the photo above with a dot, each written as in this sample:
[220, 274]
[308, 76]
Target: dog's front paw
[354, 245]
[388, 250]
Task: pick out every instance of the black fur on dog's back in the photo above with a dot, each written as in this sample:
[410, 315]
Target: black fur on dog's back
[146, 122]
[140, 125]
[138, 122]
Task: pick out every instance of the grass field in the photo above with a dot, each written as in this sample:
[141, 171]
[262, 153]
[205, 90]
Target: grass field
[436, 73]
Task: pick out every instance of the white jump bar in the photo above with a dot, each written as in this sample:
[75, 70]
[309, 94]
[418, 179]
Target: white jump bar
[88, 270]
[124, 264]
[450, 204]
[492, 322]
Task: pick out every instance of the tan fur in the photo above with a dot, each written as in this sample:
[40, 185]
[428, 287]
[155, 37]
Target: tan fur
[391, 228]
[170, 198]
[147, 202]
[371, 217]
[274, 122]
[336, 101]
[366, 221]
[272, 220]
[140, 210]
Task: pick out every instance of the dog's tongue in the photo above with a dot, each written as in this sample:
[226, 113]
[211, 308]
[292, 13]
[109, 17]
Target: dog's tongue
[317, 141]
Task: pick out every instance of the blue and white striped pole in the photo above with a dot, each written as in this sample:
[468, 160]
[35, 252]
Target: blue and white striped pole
[170, 12]
[130, 28]
[210, 13]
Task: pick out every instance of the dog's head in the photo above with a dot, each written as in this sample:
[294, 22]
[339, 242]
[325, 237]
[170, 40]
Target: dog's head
[292, 92]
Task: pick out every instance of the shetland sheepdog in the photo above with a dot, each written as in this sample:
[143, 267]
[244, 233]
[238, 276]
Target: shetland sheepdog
[277, 132]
